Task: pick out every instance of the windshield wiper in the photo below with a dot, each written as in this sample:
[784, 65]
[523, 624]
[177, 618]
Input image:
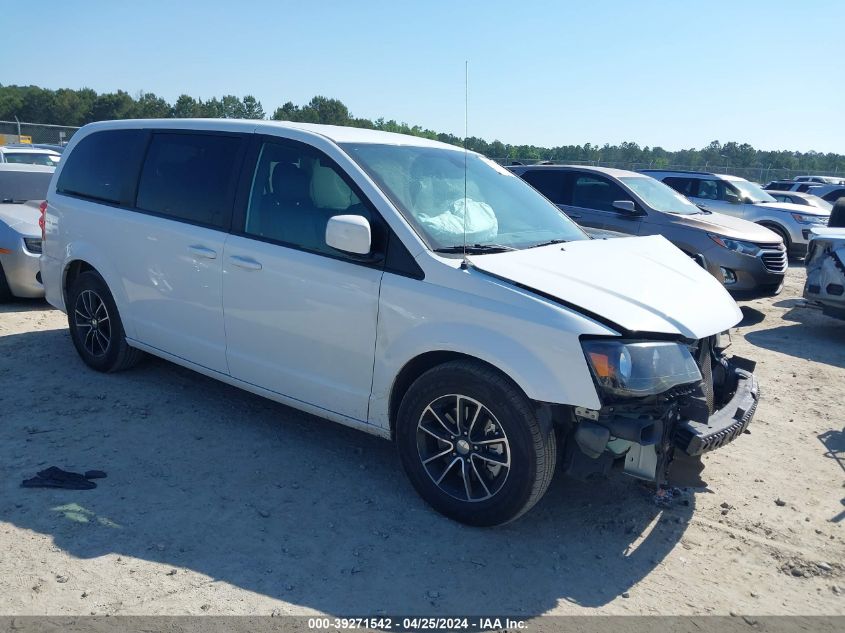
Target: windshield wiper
[475, 249]
[548, 243]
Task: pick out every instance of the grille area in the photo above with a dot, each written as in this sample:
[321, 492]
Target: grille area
[774, 257]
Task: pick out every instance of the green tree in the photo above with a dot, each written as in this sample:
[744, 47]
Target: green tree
[113, 105]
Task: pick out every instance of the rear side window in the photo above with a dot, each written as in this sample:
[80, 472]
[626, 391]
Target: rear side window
[104, 166]
[681, 185]
[592, 192]
[548, 182]
[190, 177]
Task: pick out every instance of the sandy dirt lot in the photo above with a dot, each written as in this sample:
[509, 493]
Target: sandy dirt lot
[221, 502]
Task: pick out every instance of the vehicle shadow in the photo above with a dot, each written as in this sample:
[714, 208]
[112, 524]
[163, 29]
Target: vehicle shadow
[834, 442]
[808, 327]
[750, 317]
[24, 305]
[206, 477]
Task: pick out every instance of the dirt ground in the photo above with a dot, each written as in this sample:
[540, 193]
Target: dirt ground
[221, 502]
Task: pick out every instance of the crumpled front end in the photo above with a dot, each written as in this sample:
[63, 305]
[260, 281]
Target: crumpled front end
[826, 272]
[662, 437]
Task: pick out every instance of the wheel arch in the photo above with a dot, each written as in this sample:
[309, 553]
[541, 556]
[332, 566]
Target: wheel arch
[72, 270]
[779, 229]
[82, 259]
[420, 364]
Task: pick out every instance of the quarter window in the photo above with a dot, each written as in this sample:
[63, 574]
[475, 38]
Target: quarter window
[295, 190]
[104, 166]
[190, 177]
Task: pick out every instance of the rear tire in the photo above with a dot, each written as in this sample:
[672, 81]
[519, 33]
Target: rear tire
[472, 446]
[95, 326]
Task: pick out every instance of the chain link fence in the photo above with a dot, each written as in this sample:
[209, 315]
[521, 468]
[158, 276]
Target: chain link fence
[759, 174]
[13, 131]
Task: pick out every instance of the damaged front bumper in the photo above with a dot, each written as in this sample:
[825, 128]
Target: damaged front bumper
[662, 440]
[726, 424]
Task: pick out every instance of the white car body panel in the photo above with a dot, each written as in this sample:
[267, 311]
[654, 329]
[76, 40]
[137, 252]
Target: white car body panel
[330, 336]
[644, 284]
[304, 325]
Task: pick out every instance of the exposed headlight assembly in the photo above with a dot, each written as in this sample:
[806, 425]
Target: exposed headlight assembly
[801, 218]
[746, 248]
[639, 368]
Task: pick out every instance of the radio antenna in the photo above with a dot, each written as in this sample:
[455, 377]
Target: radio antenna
[465, 263]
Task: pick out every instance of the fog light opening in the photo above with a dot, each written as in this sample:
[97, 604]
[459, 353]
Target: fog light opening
[728, 276]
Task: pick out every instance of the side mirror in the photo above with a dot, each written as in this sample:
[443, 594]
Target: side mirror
[350, 234]
[626, 206]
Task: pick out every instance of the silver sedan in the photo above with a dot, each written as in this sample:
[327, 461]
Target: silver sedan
[22, 189]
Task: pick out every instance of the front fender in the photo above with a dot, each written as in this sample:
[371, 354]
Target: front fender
[542, 356]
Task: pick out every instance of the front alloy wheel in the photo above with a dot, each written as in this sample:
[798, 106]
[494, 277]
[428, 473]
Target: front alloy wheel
[463, 448]
[472, 444]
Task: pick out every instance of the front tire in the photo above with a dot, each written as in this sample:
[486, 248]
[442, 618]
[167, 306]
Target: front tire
[95, 326]
[472, 445]
[5, 292]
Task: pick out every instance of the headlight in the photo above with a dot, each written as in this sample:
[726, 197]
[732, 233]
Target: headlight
[33, 244]
[820, 220]
[746, 248]
[636, 369]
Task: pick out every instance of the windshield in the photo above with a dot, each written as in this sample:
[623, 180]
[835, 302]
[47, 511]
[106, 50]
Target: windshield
[32, 158]
[441, 201]
[660, 197]
[750, 192]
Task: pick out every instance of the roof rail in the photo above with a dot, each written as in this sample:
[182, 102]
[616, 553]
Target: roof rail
[678, 171]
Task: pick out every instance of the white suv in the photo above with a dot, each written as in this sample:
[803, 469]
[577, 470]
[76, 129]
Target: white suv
[325, 268]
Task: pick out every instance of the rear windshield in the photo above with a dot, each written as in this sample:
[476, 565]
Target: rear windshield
[32, 158]
[21, 186]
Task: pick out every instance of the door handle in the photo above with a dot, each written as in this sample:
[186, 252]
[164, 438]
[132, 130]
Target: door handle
[247, 263]
[201, 251]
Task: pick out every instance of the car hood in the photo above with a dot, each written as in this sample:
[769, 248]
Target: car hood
[639, 284]
[793, 208]
[23, 218]
[728, 226]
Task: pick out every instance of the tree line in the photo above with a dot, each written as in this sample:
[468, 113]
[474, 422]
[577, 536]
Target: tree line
[67, 106]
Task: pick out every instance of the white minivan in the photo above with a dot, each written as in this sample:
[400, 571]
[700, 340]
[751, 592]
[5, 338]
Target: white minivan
[400, 286]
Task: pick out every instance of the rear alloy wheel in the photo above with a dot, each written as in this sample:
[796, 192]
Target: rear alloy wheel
[95, 326]
[91, 318]
[472, 445]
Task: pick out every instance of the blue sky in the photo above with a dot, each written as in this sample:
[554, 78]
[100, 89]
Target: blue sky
[674, 74]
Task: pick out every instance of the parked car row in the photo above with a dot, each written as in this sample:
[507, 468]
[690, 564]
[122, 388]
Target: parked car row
[747, 258]
[25, 154]
[413, 290]
[740, 198]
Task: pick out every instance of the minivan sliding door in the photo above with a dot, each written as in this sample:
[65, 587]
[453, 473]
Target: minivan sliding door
[171, 252]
